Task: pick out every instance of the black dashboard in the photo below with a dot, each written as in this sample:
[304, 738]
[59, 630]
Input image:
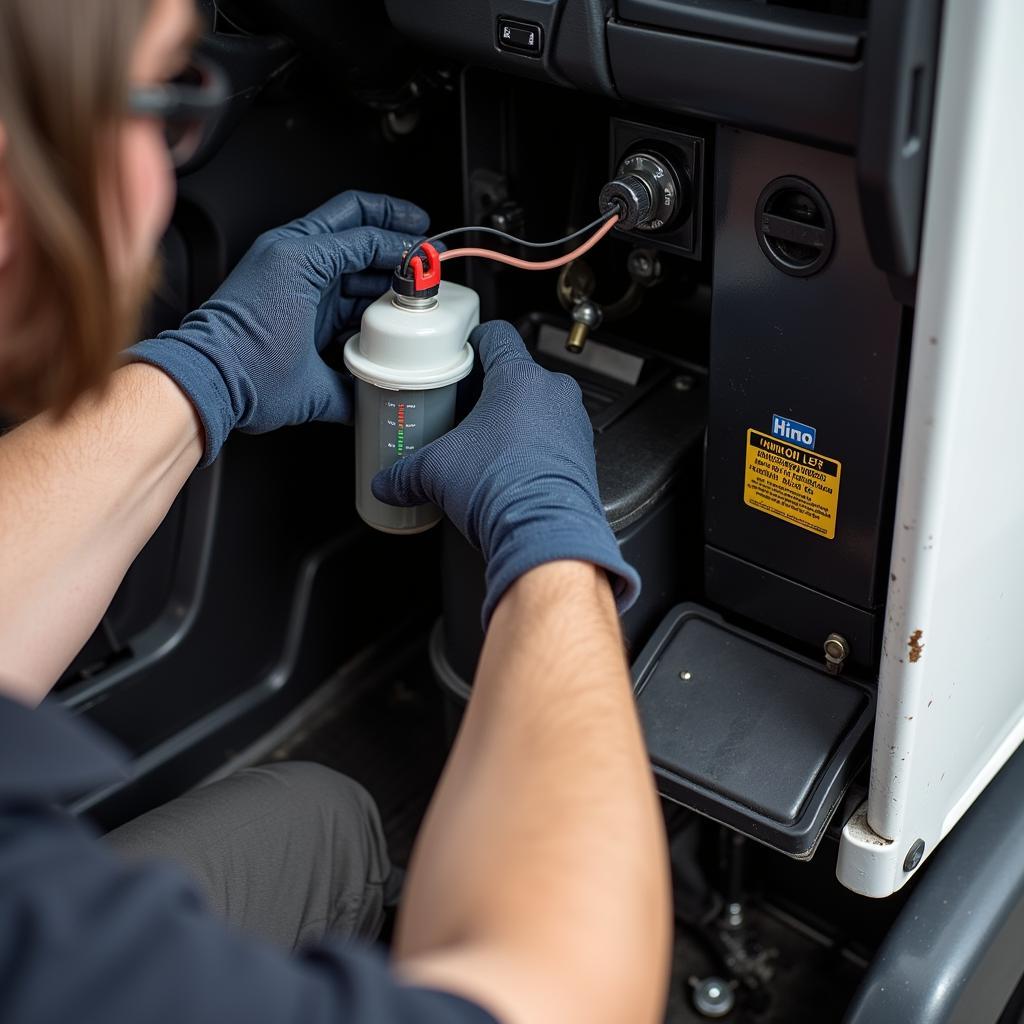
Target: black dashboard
[832, 73]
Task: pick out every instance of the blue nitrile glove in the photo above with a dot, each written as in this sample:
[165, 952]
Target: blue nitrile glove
[249, 357]
[517, 476]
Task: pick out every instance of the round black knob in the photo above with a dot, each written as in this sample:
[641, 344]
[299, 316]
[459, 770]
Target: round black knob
[647, 189]
[631, 197]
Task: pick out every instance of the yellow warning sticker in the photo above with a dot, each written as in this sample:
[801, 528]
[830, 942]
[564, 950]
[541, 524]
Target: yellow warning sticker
[792, 483]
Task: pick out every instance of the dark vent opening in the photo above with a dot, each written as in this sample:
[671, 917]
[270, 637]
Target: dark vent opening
[794, 226]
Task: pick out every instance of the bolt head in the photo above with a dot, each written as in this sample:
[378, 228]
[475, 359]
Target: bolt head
[713, 997]
[914, 855]
[836, 647]
[643, 266]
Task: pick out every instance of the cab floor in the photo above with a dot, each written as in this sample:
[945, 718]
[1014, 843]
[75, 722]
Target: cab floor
[385, 726]
[811, 984]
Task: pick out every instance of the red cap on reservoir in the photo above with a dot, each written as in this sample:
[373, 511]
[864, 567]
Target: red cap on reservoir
[431, 276]
[423, 283]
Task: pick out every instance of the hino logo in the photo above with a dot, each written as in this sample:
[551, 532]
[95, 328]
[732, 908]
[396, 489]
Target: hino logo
[790, 430]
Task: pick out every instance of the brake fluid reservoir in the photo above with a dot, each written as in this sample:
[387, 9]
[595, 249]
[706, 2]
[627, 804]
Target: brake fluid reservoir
[411, 351]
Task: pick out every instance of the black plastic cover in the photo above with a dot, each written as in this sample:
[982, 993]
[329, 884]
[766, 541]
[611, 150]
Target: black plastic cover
[892, 153]
[747, 733]
[573, 50]
[784, 93]
[783, 28]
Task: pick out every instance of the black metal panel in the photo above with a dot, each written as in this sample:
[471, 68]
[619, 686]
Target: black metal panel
[953, 955]
[824, 350]
[752, 593]
[772, 90]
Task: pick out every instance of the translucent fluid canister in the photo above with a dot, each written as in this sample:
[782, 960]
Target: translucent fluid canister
[407, 358]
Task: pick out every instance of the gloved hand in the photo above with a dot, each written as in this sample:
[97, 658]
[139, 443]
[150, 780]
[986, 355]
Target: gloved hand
[517, 476]
[249, 357]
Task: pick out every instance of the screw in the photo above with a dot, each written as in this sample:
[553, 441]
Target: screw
[712, 997]
[734, 915]
[684, 382]
[685, 676]
[640, 263]
[837, 650]
[643, 266]
[506, 216]
[914, 855]
[401, 123]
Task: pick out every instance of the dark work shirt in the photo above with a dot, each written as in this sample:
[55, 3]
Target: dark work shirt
[88, 939]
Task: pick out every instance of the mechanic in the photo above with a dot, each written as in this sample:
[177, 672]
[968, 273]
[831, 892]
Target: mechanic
[538, 891]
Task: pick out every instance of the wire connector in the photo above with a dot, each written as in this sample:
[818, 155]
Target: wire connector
[425, 279]
[431, 276]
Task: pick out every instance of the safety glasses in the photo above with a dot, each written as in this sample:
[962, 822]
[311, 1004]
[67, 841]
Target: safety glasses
[189, 106]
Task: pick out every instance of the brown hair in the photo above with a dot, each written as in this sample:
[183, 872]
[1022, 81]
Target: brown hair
[63, 87]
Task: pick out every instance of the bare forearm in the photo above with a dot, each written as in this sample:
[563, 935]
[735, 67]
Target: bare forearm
[78, 499]
[541, 870]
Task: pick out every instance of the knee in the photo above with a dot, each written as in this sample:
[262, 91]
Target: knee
[313, 785]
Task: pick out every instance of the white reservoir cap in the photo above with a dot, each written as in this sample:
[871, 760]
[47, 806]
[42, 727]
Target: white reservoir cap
[403, 349]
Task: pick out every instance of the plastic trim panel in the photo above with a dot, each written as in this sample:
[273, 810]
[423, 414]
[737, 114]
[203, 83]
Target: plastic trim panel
[953, 955]
[782, 93]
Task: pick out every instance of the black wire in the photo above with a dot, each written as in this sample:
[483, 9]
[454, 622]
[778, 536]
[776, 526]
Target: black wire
[593, 225]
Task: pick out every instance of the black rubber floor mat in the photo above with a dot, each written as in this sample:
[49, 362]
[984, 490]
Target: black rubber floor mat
[388, 735]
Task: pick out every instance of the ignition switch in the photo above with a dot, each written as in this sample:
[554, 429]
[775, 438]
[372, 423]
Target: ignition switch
[645, 193]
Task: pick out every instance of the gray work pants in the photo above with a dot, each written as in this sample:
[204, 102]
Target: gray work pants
[289, 851]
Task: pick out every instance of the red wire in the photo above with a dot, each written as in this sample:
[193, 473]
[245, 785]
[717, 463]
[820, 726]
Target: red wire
[514, 261]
